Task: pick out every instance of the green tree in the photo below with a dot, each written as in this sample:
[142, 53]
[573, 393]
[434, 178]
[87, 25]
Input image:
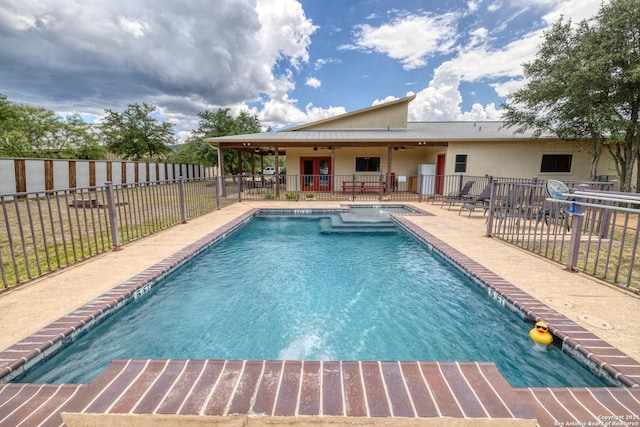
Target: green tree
[559, 98]
[583, 87]
[618, 49]
[221, 123]
[80, 139]
[29, 131]
[135, 134]
[194, 151]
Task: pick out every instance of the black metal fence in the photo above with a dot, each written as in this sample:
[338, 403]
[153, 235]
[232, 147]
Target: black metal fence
[595, 231]
[48, 230]
[45, 231]
[354, 187]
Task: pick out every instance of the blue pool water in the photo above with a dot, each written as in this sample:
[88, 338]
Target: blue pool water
[296, 288]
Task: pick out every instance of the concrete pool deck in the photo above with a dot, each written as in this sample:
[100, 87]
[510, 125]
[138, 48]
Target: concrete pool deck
[601, 309]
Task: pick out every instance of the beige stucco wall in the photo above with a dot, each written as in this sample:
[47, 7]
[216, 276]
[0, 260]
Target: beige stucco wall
[521, 160]
[501, 159]
[392, 116]
[402, 162]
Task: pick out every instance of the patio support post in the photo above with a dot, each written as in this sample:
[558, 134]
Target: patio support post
[389, 167]
[113, 220]
[183, 200]
[574, 245]
[353, 188]
[218, 183]
[277, 166]
[221, 170]
[333, 168]
[380, 178]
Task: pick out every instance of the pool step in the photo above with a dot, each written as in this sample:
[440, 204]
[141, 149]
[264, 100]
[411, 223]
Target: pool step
[337, 224]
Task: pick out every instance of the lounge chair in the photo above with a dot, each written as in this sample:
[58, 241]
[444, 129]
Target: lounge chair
[461, 196]
[511, 205]
[481, 201]
[552, 212]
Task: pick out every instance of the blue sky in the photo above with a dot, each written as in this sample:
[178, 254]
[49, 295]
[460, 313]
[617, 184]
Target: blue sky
[288, 61]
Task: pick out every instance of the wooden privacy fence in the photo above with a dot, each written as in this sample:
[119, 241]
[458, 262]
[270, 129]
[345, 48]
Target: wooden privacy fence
[31, 175]
[46, 230]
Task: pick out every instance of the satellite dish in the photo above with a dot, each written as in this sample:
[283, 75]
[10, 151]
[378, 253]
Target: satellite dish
[557, 190]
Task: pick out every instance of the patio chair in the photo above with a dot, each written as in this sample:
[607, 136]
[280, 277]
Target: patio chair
[481, 201]
[459, 196]
[552, 213]
[511, 204]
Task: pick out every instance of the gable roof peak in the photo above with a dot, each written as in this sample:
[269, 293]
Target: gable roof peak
[395, 111]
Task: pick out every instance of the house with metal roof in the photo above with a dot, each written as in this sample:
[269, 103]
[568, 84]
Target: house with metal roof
[380, 141]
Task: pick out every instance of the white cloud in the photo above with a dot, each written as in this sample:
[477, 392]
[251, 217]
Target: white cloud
[397, 38]
[286, 32]
[193, 56]
[132, 26]
[383, 101]
[321, 62]
[441, 99]
[473, 5]
[313, 82]
[188, 57]
[494, 6]
[276, 113]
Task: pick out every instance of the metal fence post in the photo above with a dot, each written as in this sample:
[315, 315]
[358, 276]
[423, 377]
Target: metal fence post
[113, 219]
[239, 188]
[183, 201]
[574, 245]
[492, 203]
[605, 218]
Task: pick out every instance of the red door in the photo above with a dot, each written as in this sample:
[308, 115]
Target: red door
[316, 173]
[440, 173]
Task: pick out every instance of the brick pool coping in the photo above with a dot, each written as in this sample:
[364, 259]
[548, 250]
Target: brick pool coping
[598, 355]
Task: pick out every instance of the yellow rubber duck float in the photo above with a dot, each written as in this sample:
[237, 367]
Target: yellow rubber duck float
[540, 334]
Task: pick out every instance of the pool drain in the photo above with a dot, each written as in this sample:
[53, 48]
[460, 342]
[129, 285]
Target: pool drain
[558, 302]
[595, 321]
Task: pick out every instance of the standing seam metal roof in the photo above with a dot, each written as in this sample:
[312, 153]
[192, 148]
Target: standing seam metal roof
[415, 131]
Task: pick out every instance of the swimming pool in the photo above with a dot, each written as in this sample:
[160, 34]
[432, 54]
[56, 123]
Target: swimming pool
[383, 296]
